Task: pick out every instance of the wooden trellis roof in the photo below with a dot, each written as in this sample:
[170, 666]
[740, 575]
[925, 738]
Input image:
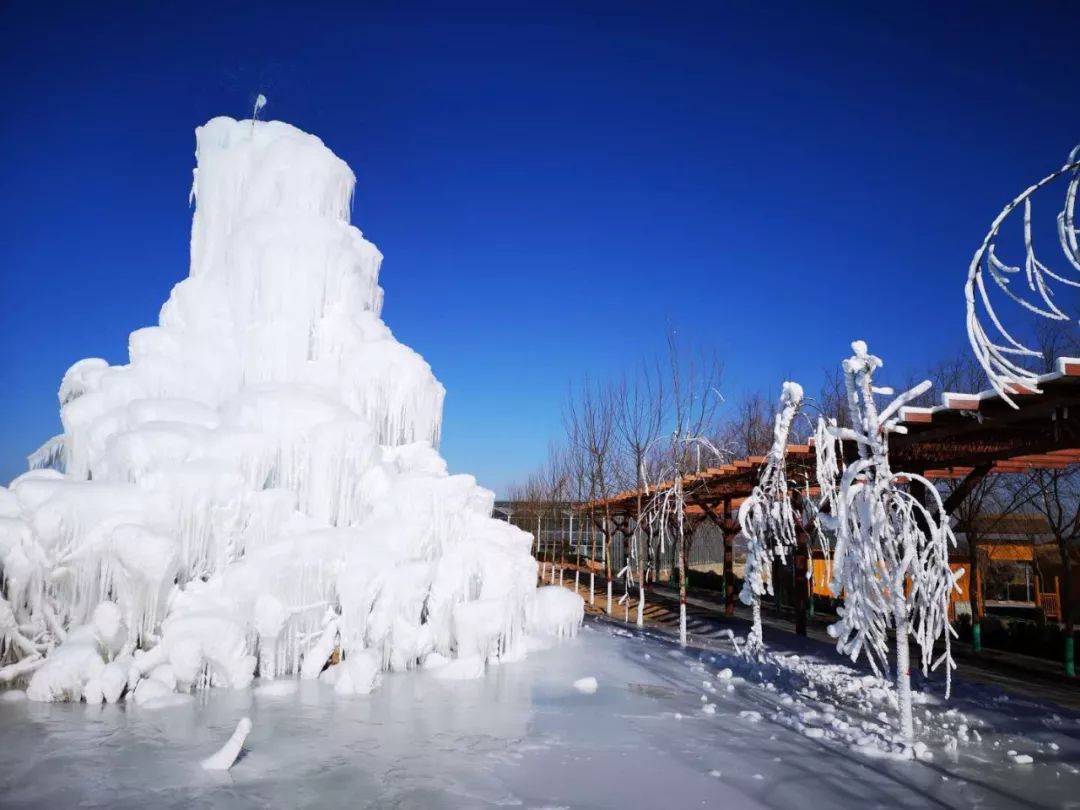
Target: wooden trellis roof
[945, 441]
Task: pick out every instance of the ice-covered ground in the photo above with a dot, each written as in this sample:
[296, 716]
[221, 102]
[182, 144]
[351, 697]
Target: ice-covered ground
[664, 728]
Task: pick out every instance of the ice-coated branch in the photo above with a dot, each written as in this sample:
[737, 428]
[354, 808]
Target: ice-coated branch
[1008, 376]
[767, 518]
[227, 754]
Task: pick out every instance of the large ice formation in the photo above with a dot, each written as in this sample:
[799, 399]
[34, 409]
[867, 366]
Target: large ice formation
[258, 486]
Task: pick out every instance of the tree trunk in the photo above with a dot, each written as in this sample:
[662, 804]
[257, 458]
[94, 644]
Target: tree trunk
[640, 563]
[607, 555]
[607, 544]
[682, 589]
[903, 669]
[729, 564]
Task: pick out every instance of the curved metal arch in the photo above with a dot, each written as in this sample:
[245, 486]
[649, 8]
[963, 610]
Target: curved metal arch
[995, 354]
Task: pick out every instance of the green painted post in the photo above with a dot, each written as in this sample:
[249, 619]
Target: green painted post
[976, 637]
[776, 584]
[1070, 658]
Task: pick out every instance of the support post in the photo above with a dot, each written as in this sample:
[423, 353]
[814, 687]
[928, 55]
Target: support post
[777, 570]
[801, 582]
[728, 529]
[963, 489]
[572, 532]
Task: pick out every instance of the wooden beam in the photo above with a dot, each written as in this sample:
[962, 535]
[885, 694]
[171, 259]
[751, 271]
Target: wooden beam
[963, 489]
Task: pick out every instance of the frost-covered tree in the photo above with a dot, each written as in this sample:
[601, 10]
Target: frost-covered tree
[767, 518]
[891, 561]
[590, 428]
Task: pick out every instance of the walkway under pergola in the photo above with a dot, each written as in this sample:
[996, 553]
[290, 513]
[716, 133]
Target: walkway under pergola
[965, 438]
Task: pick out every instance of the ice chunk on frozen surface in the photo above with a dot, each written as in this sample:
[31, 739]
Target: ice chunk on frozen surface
[586, 685]
[227, 754]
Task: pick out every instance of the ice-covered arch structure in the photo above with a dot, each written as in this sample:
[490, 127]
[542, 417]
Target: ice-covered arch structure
[258, 485]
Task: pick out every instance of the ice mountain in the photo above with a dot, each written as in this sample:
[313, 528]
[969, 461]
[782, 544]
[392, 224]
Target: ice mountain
[259, 485]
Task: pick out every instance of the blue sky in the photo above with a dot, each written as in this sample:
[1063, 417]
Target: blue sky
[553, 185]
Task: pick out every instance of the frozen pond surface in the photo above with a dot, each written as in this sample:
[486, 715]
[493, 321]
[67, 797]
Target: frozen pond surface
[524, 736]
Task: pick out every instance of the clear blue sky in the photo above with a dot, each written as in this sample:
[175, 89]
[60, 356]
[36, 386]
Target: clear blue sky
[551, 187]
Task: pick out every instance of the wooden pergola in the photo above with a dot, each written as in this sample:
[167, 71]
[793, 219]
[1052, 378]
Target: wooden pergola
[966, 437]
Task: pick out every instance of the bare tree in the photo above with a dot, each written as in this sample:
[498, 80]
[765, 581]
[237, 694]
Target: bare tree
[590, 426]
[639, 417]
[1056, 496]
[749, 431]
[980, 501]
[1054, 339]
[556, 488]
[832, 399]
[693, 383]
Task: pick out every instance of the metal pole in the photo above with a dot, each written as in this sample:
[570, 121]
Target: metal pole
[571, 528]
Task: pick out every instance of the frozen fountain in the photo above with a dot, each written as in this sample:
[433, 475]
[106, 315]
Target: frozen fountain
[257, 491]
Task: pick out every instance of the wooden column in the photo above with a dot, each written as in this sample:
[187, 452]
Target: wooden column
[802, 589]
[729, 530]
[802, 555]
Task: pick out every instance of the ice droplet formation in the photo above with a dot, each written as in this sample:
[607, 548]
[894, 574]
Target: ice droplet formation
[258, 487]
